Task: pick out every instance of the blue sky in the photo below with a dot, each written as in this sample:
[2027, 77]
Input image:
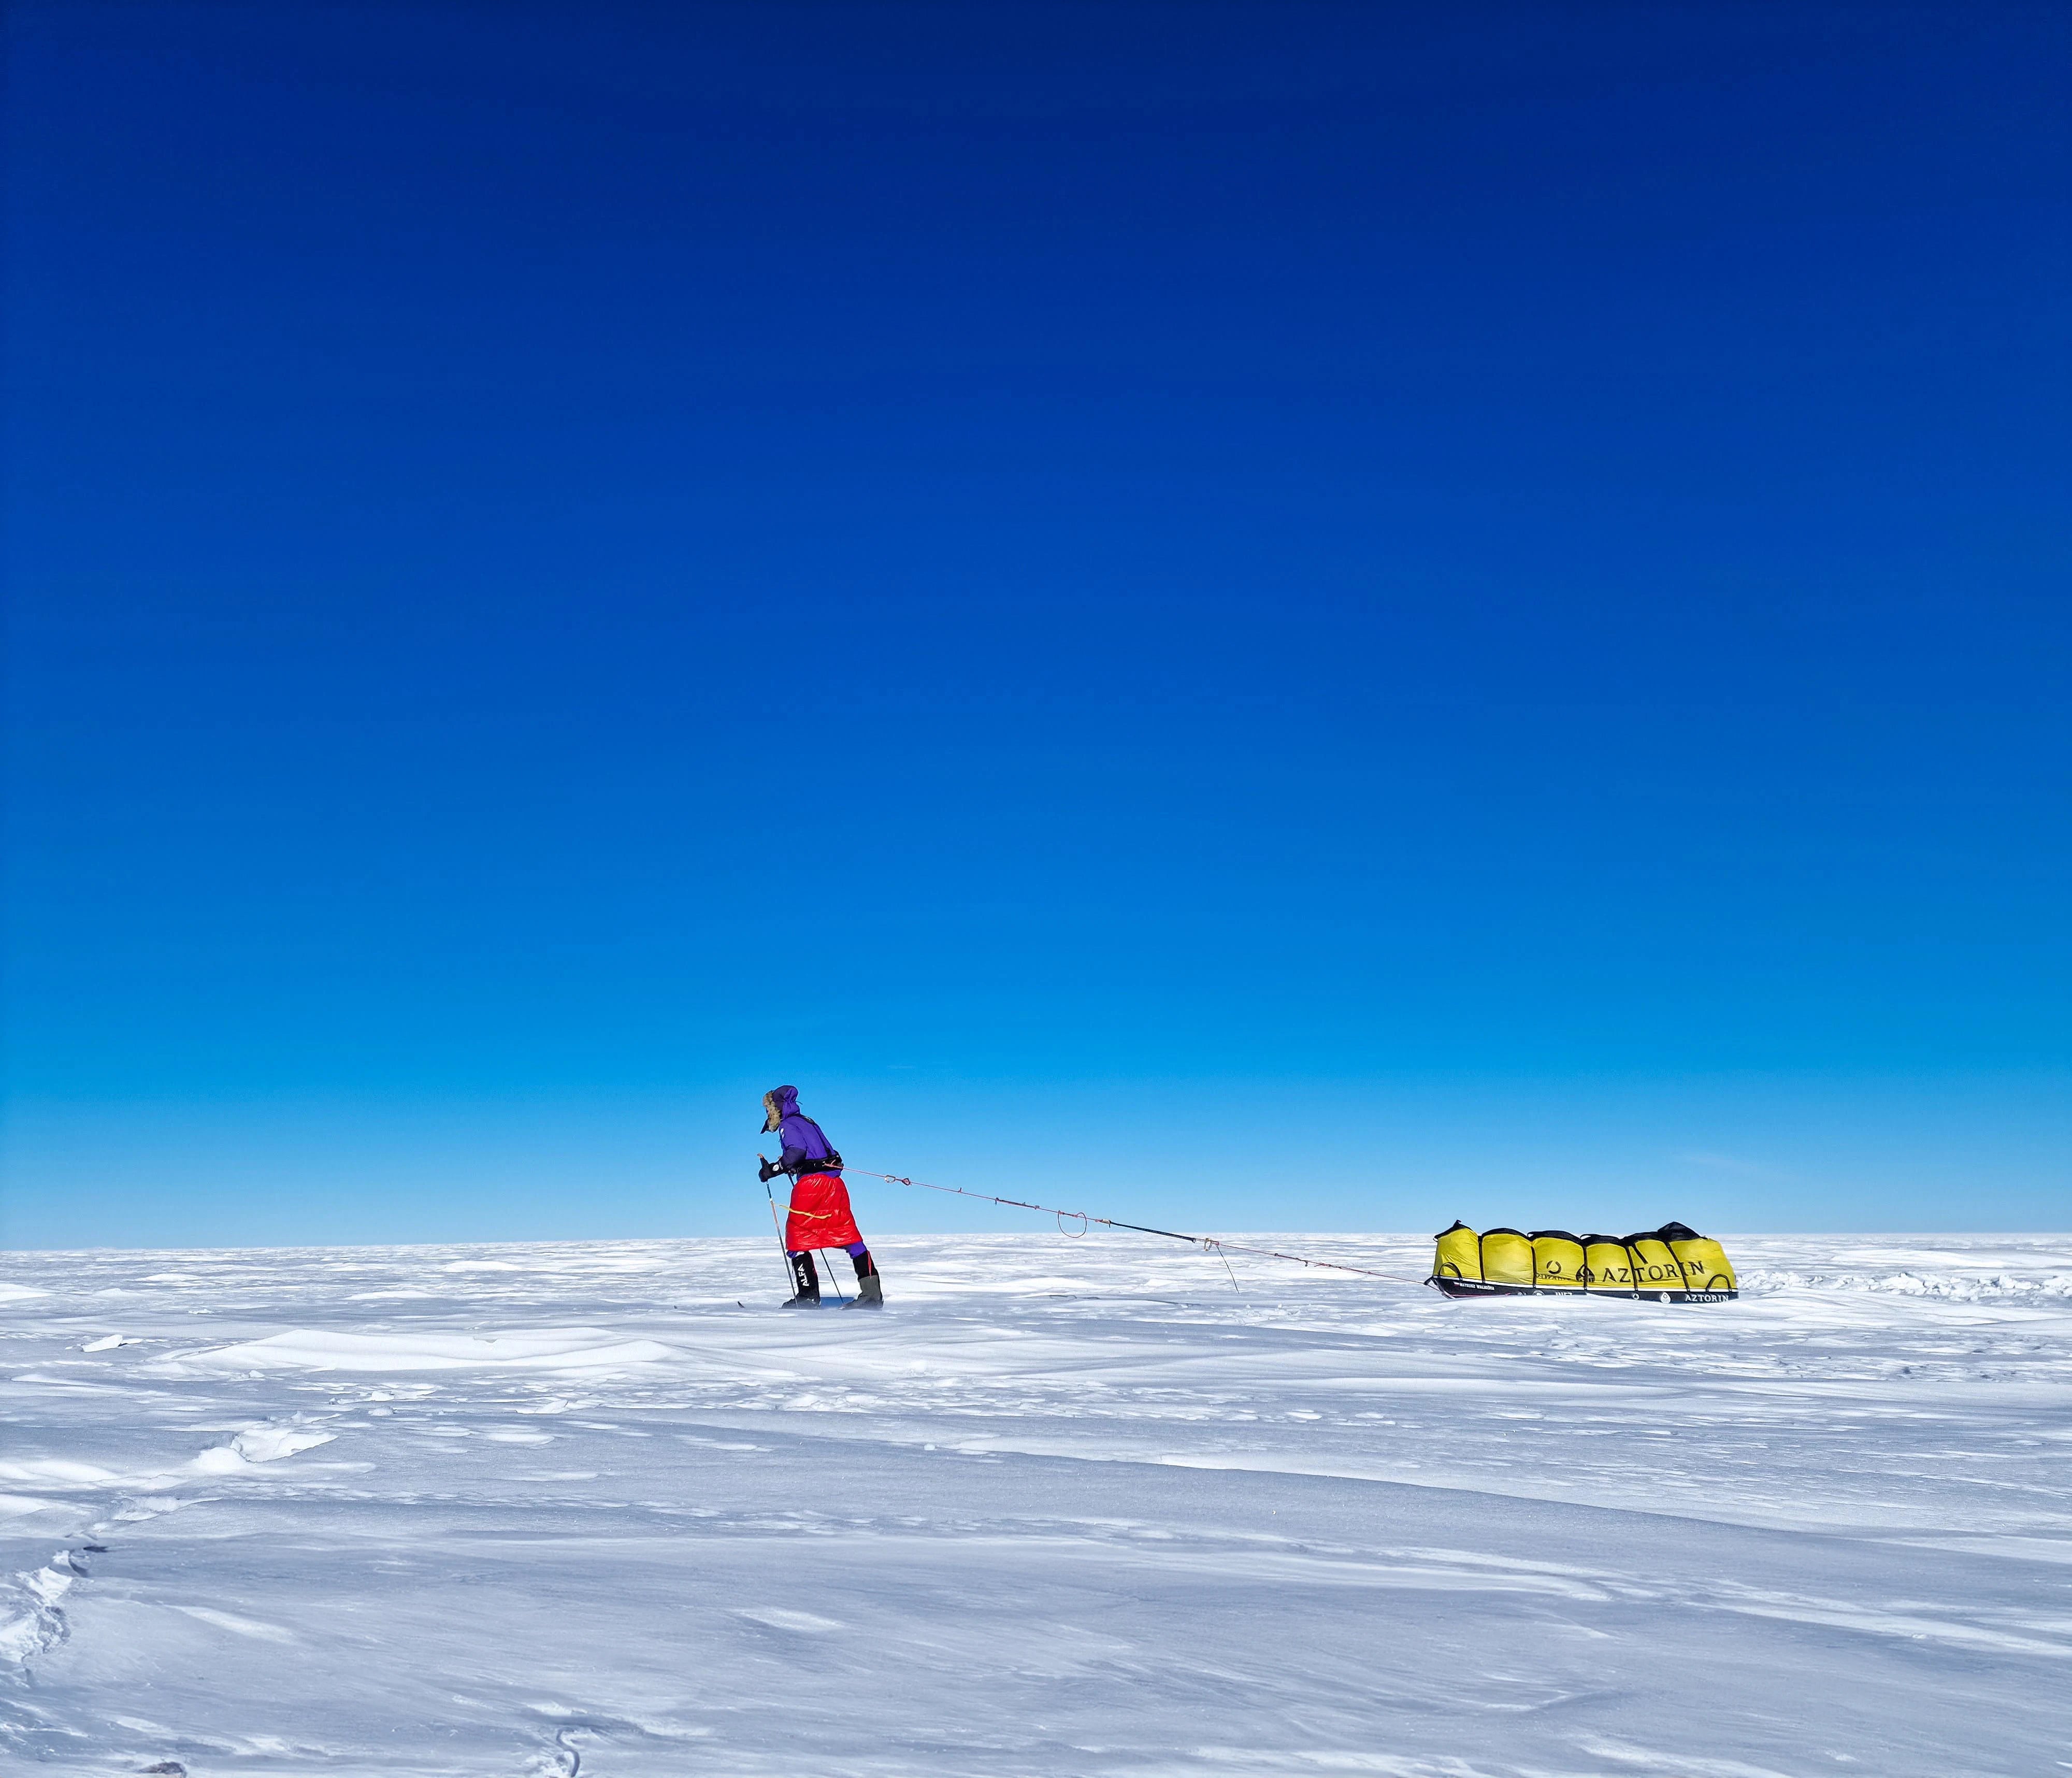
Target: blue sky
[1261, 617]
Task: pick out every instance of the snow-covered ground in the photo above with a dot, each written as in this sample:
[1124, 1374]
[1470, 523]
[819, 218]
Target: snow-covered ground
[1067, 1508]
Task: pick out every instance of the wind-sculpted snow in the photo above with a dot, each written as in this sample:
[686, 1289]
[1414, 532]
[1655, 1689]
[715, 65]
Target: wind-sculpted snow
[550, 1348]
[1068, 1507]
[1997, 1287]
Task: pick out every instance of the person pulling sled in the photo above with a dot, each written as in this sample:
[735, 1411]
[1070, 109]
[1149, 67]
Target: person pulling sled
[819, 1212]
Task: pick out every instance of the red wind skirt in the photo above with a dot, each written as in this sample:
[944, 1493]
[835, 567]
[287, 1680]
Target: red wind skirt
[820, 1216]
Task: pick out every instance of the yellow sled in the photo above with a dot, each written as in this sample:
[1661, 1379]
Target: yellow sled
[1671, 1264]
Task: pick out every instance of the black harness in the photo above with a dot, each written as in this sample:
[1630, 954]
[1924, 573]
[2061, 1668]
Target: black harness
[831, 1162]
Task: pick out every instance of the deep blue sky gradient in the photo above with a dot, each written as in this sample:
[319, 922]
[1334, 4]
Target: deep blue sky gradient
[1282, 616]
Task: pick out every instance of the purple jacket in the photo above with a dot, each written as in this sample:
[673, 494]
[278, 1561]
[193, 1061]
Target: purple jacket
[806, 1148]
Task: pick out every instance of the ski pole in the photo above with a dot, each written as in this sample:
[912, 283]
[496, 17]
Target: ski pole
[784, 1252]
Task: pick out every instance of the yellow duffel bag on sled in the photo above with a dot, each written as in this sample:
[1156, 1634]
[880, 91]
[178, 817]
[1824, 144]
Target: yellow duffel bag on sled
[1607, 1266]
[1671, 1264]
[1460, 1255]
[1708, 1274]
[1557, 1260]
[1506, 1260]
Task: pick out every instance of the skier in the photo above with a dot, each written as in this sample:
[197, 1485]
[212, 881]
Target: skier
[820, 1216]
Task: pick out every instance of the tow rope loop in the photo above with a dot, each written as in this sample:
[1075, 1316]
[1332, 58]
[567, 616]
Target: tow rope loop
[1207, 1243]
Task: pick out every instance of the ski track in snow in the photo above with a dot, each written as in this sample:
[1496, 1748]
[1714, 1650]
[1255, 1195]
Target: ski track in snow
[1068, 1507]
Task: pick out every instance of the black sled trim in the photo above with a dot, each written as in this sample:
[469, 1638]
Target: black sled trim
[1473, 1286]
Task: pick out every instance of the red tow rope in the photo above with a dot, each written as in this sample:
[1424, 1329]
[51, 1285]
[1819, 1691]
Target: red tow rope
[1207, 1243]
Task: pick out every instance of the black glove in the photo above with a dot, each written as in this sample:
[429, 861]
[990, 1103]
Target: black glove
[770, 1170]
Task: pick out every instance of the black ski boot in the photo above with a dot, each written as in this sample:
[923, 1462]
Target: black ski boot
[807, 1277]
[870, 1287]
